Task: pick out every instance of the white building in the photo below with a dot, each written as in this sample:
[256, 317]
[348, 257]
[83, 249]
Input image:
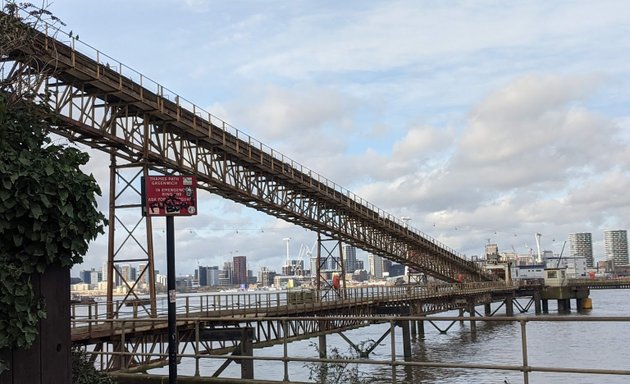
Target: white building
[528, 271]
[575, 266]
[376, 266]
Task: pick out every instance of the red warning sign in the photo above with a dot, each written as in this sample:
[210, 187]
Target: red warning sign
[171, 195]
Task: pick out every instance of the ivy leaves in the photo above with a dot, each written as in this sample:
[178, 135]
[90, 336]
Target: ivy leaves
[18, 328]
[48, 215]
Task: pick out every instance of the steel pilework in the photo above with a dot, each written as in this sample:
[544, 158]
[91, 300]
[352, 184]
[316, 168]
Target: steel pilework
[103, 104]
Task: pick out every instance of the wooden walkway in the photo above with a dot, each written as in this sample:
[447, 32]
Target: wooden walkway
[242, 307]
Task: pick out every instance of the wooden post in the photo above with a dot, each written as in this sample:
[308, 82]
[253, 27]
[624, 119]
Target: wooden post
[247, 349]
[48, 360]
[406, 337]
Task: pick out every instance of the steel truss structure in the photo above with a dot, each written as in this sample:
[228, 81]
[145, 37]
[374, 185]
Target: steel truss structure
[131, 247]
[146, 346]
[325, 283]
[106, 105]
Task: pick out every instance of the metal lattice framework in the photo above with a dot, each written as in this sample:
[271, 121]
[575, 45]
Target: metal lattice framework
[108, 106]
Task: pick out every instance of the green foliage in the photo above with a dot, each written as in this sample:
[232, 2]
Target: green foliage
[83, 371]
[47, 214]
[17, 294]
[47, 205]
[342, 370]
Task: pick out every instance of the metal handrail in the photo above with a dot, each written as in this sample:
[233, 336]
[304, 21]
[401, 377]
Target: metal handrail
[394, 360]
[257, 303]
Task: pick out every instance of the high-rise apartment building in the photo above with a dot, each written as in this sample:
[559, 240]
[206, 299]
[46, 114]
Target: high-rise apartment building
[202, 276]
[144, 279]
[213, 276]
[86, 277]
[128, 273]
[314, 266]
[104, 272]
[239, 265]
[616, 246]
[387, 264]
[581, 245]
[376, 266]
[350, 258]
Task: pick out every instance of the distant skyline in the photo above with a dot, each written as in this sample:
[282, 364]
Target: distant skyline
[481, 121]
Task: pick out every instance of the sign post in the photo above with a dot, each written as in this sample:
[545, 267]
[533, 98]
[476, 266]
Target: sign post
[170, 196]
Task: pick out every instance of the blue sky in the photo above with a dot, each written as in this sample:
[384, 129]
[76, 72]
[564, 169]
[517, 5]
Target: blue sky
[480, 120]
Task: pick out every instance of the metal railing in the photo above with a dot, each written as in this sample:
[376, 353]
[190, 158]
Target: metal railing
[390, 357]
[262, 303]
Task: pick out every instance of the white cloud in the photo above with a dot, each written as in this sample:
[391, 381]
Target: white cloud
[485, 117]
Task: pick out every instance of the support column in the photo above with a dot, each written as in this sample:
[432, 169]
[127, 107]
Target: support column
[111, 236]
[322, 347]
[318, 284]
[461, 315]
[579, 303]
[472, 314]
[537, 303]
[412, 323]
[323, 352]
[564, 305]
[336, 286]
[127, 242]
[247, 349]
[342, 266]
[487, 309]
[509, 307]
[406, 336]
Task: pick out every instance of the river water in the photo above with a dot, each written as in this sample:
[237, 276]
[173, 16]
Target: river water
[582, 345]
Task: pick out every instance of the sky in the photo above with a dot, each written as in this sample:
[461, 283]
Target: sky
[481, 121]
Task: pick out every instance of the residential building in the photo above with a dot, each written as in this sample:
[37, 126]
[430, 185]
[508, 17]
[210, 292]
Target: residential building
[213, 276]
[350, 258]
[239, 264]
[616, 246]
[202, 276]
[376, 266]
[86, 277]
[387, 264]
[581, 245]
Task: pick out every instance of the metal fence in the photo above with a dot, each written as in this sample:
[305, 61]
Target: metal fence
[393, 356]
[262, 302]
